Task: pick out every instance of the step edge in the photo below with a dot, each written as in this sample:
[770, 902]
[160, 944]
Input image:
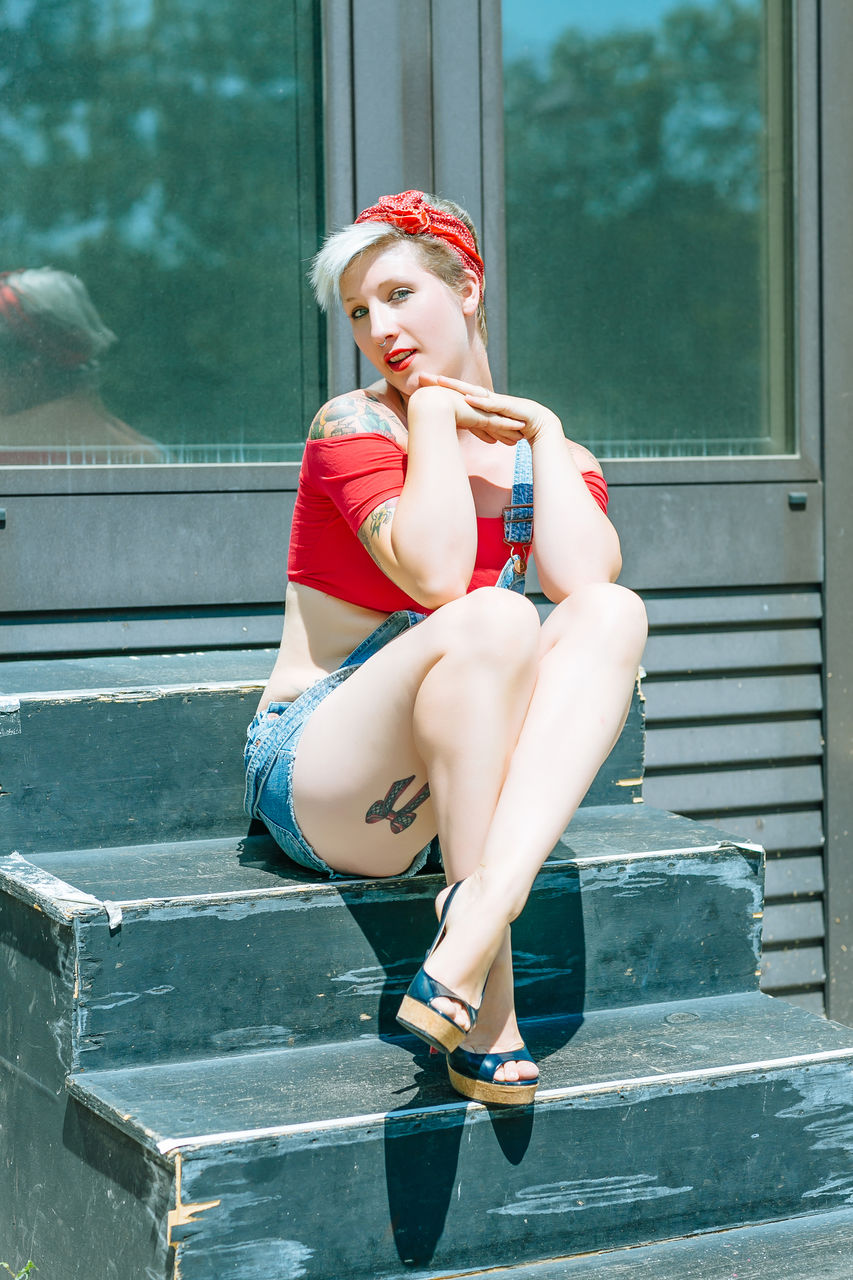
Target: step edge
[551, 864]
[45, 892]
[136, 693]
[331, 889]
[169, 1146]
[751, 997]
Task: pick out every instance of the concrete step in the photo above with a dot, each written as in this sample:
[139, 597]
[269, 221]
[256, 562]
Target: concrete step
[816, 1246]
[110, 751]
[138, 749]
[652, 1123]
[634, 906]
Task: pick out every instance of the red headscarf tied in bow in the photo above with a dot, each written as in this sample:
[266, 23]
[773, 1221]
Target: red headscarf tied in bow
[412, 213]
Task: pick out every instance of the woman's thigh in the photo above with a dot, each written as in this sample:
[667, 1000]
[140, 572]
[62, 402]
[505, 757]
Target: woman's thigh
[360, 789]
[357, 769]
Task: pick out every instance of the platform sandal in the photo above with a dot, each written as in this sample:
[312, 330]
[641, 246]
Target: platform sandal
[416, 1013]
[473, 1075]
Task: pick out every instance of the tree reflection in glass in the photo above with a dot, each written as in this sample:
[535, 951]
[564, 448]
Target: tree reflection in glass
[648, 193]
[167, 152]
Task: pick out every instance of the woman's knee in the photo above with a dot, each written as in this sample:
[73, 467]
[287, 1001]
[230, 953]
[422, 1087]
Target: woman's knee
[493, 621]
[611, 613]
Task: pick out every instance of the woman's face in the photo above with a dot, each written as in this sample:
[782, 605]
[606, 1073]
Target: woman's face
[406, 321]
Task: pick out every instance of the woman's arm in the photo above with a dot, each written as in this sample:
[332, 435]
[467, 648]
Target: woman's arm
[430, 546]
[573, 541]
[424, 538]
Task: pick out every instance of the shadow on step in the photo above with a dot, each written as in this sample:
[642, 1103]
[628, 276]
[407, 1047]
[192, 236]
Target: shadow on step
[422, 1162]
[422, 1149]
[423, 1135]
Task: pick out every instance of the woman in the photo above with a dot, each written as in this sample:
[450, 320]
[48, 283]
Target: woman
[411, 694]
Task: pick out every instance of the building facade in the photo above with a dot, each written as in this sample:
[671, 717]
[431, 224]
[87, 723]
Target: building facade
[665, 195]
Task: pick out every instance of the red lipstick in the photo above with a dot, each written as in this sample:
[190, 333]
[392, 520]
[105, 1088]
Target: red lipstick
[399, 358]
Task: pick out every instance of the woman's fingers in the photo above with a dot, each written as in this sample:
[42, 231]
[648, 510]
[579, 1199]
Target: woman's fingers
[495, 426]
[506, 418]
[511, 409]
[455, 384]
[485, 414]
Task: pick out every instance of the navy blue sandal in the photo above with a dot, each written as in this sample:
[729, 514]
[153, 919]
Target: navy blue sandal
[416, 1013]
[473, 1075]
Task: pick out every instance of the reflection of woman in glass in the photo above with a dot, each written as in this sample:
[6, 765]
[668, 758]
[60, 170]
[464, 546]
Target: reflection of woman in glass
[51, 341]
[411, 695]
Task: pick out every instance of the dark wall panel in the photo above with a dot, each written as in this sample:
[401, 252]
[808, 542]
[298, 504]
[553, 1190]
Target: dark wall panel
[734, 737]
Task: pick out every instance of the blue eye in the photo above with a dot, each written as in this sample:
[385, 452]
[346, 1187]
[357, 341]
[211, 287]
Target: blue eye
[358, 312]
[398, 295]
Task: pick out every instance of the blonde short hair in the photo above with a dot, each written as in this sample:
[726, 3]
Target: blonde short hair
[343, 247]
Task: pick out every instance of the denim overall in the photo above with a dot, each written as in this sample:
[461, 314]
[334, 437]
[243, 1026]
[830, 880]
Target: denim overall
[273, 735]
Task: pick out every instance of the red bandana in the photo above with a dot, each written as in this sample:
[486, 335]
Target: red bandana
[411, 212]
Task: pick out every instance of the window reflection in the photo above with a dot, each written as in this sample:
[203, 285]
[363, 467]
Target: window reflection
[52, 342]
[168, 156]
[648, 184]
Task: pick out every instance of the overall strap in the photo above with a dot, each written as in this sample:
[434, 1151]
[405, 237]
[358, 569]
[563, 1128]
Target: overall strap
[518, 520]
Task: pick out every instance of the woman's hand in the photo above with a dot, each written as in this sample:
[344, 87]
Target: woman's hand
[464, 415]
[497, 417]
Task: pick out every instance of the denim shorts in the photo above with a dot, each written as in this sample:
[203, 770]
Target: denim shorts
[271, 745]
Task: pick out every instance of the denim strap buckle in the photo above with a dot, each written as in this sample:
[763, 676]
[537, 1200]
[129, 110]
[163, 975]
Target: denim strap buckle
[518, 524]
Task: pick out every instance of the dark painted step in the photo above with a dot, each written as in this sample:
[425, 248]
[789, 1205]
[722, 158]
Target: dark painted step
[651, 1123]
[812, 1247]
[635, 905]
[148, 748]
[125, 750]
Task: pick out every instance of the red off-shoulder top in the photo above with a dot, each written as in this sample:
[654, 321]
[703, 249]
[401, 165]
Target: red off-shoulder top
[342, 480]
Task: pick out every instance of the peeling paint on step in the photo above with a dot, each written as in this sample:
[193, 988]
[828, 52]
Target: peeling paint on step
[529, 968]
[263, 1260]
[376, 980]
[831, 1128]
[115, 999]
[587, 1193]
[29, 883]
[245, 1038]
[142, 693]
[183, 1214]
[10, 716]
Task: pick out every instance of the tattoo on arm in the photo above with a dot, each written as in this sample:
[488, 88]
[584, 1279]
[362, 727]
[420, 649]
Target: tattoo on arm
[369, 531]
[349, 415]
[401, 819]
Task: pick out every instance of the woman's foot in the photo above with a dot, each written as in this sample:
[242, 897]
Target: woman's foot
[432, 1010]
[476, 1076]
[462, 957]
[496, 1031]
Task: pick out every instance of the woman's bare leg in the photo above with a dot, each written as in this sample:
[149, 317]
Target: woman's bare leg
[446, 700]
[454, 700]
[590, 648]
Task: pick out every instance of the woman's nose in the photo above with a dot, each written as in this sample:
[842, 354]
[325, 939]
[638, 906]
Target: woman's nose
[381, 329]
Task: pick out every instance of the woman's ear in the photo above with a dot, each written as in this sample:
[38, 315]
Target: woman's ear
[470, 294]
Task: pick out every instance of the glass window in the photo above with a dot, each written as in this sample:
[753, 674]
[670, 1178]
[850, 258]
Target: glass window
[162, 173]
[648, 192]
